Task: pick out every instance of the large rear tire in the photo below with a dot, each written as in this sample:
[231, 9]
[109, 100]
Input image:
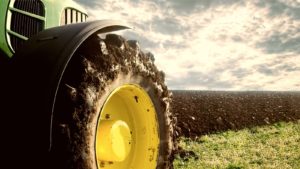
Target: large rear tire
[109, 83]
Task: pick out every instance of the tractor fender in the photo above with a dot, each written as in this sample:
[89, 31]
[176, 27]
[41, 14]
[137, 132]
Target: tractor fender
[35, 74]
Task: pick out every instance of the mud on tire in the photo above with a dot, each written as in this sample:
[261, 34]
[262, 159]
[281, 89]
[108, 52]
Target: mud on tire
[97, 68]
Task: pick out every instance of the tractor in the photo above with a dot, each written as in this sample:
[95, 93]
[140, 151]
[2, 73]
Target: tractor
[76, 96]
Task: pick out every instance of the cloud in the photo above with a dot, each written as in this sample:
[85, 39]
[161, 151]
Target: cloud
[215, 44]
[208, 81]
[168, 25]
[240, 73]
[196, 6]
[264, 69]
[279, 7]
[281, 43]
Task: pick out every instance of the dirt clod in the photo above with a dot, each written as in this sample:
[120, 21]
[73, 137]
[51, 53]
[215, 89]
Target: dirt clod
[187, 155]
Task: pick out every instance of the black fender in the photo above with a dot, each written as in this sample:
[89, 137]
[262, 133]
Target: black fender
[35, 72]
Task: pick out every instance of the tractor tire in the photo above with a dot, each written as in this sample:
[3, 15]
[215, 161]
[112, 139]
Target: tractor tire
[104, 78]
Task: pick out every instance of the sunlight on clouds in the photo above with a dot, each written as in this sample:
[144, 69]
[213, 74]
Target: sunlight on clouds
[291, 3]
[237, 46]
[125, 9]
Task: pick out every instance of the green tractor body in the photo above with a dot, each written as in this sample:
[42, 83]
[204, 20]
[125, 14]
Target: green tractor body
[75, 99]
[23, 19]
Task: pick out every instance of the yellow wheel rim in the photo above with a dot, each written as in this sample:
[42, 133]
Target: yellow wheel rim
[127, 130]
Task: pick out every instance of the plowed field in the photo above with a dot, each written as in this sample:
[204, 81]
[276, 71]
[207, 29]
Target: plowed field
[204, 112]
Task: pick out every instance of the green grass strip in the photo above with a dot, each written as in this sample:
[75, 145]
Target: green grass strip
[273, 146]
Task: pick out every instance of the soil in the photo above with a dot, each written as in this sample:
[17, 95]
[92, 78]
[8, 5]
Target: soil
[205, 112]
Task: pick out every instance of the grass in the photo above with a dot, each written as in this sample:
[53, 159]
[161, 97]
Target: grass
[275, 146]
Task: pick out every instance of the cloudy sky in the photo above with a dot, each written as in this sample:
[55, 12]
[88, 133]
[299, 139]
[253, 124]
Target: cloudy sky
[215, 44]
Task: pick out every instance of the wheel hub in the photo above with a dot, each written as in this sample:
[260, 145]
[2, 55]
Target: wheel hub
[127, 134]
[115, 140]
